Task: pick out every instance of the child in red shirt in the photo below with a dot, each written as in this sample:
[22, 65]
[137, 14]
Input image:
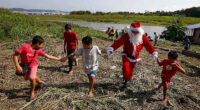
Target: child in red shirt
[28, 53]
[70, 39]
[170, 67]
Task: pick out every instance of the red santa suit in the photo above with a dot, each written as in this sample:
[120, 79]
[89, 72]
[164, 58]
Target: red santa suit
[132, 45]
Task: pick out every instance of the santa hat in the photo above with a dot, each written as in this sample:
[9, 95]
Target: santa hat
[136, 26]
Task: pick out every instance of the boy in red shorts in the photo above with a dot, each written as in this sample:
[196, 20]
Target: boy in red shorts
[29, 54]
[170, 67]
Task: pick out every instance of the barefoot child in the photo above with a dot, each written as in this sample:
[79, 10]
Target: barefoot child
[170, 67]
[89, 55]
[29, 53]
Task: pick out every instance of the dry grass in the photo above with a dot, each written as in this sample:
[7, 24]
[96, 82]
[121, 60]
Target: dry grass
[70, 92]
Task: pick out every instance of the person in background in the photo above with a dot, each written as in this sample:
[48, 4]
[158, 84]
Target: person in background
[71, 42]
[112, 33]
[123, 32]
[117, 33]
[187, 43]
[107, 31]
[155, 39]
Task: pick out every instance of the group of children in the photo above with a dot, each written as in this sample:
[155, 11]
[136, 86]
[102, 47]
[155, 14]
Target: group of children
[89, 53]
[111, 33]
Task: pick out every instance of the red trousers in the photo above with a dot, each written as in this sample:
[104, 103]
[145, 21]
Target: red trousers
[164, 83]
[128, 68]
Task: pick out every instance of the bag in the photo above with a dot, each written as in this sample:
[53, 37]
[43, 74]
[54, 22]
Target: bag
[25, 70]
[25, 67]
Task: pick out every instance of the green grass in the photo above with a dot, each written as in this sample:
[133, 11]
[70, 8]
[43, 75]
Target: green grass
[15, 26]
[117, 18]
[177, 45]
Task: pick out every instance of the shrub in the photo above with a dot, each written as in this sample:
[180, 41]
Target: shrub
[174, 32]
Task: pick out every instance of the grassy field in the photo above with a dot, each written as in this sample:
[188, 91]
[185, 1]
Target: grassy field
[123, 19]
[69, 92]
[64, 91]
[16, 27]
[177, 45]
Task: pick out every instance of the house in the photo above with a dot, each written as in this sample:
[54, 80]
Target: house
[193, 32]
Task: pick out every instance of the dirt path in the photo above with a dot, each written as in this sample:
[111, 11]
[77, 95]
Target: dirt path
[69, 92]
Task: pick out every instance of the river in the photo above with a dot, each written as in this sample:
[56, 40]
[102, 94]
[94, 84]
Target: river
[103, 26]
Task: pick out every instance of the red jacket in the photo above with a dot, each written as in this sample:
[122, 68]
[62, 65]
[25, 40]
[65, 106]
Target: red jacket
[132, 50]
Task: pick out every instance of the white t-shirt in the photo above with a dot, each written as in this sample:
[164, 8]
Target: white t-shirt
[89, 57]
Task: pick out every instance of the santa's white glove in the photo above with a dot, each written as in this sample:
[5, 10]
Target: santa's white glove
[110, 50]
[155, 55]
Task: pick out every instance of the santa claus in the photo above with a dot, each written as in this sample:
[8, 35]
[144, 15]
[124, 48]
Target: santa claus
[133, 42]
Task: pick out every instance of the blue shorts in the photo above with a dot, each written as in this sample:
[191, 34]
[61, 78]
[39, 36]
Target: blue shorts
[92, 74]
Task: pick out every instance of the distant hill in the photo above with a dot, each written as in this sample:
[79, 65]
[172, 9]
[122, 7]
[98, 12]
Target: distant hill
[34, 10]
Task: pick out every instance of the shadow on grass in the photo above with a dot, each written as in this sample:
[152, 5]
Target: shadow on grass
[54, 69]
[74, 86]
[19, 93]
[196, 73]
[106, 88]
[99, 88]
[140, 96]
[15, 93]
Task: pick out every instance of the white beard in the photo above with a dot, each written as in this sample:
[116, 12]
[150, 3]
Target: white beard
[135, 39]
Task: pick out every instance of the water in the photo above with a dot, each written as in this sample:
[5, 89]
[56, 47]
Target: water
[104, 26]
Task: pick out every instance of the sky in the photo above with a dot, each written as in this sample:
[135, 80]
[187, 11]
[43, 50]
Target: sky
[102, 5]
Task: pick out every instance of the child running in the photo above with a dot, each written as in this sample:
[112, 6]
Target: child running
[29, 53]
[89, 55]
[170, 67]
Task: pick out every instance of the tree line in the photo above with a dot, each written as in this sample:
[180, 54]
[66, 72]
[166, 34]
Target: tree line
[190, 12]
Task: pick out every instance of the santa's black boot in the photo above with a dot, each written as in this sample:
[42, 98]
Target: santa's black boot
[124, 85]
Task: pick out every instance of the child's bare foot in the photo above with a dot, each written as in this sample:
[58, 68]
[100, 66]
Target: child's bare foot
[164, 101]
[32, 95]
[42, 82]
[90, 95]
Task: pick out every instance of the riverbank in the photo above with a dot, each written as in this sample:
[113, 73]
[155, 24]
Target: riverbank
[121, 19]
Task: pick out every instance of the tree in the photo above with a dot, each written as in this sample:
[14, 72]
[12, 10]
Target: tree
[174, 32]
[80, 12]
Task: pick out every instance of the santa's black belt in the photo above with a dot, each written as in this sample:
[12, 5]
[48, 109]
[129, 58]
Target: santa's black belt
[128, 55]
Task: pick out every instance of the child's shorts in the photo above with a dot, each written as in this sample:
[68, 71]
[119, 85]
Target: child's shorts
[92, 74]
[31, 74]
[164, 83]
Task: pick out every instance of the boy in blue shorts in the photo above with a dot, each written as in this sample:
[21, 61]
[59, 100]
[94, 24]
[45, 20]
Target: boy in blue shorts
[89, 55]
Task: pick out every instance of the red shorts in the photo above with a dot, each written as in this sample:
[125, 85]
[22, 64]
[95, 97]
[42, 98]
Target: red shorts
[32, 73]
[164, 83]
